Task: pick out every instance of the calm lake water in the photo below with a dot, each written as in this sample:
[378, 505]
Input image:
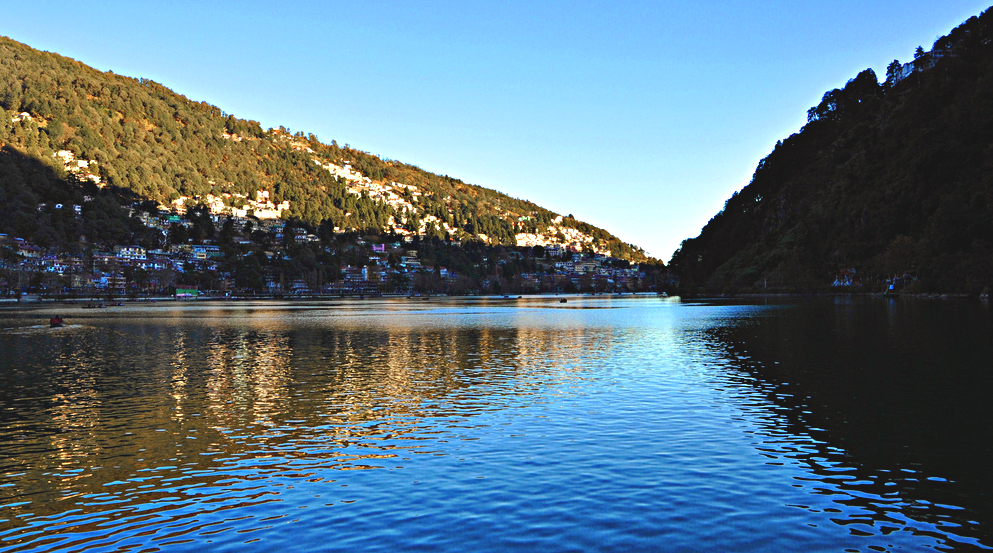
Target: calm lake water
[613, 424]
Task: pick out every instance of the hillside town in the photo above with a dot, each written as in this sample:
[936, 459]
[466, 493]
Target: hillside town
[229, 246]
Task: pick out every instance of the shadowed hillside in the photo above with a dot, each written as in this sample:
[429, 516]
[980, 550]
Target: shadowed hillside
[887, 183]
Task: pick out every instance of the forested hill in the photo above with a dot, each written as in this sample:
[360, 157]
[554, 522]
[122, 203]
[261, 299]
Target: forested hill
[888, 182]
[137, 136]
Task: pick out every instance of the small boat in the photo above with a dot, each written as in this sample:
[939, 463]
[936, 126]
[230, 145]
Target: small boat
[55, 322]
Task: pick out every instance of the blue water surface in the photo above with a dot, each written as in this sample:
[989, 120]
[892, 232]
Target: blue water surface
[599, 424]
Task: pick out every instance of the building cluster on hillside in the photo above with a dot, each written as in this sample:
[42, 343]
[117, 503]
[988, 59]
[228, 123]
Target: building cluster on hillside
[570, 239]
[236, 205]
[390, 266]
[555, 258]
[403, 198]
[82, 168]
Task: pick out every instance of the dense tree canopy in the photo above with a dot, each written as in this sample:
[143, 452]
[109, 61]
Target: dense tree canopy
[888, 180]
[154, 143]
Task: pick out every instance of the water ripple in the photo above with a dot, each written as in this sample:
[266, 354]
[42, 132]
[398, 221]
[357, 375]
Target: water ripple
[635, 424]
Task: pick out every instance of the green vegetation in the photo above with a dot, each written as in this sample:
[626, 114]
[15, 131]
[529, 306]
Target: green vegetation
[148, 142]
[891, 180]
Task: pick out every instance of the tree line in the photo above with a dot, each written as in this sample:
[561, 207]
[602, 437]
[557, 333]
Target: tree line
[891, 179]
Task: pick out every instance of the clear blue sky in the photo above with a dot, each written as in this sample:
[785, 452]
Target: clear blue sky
[639, 117]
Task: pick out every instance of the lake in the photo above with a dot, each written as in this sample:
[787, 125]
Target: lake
[489, 424]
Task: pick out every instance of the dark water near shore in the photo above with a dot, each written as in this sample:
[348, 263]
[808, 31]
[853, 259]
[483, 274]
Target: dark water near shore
[599, 424]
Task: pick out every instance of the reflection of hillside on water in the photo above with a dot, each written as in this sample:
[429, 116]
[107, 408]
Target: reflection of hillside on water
[161, 407]
[883, 403]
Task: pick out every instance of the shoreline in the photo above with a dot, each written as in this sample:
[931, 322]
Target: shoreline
[88, 303]
[800, 295]
[96, 302]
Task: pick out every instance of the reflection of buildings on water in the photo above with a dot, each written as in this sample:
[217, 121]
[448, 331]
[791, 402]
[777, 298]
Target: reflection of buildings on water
[247, 375]
[345, 383]
[410, 365]
[75, 437]
[125, 407]
[351, 393]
